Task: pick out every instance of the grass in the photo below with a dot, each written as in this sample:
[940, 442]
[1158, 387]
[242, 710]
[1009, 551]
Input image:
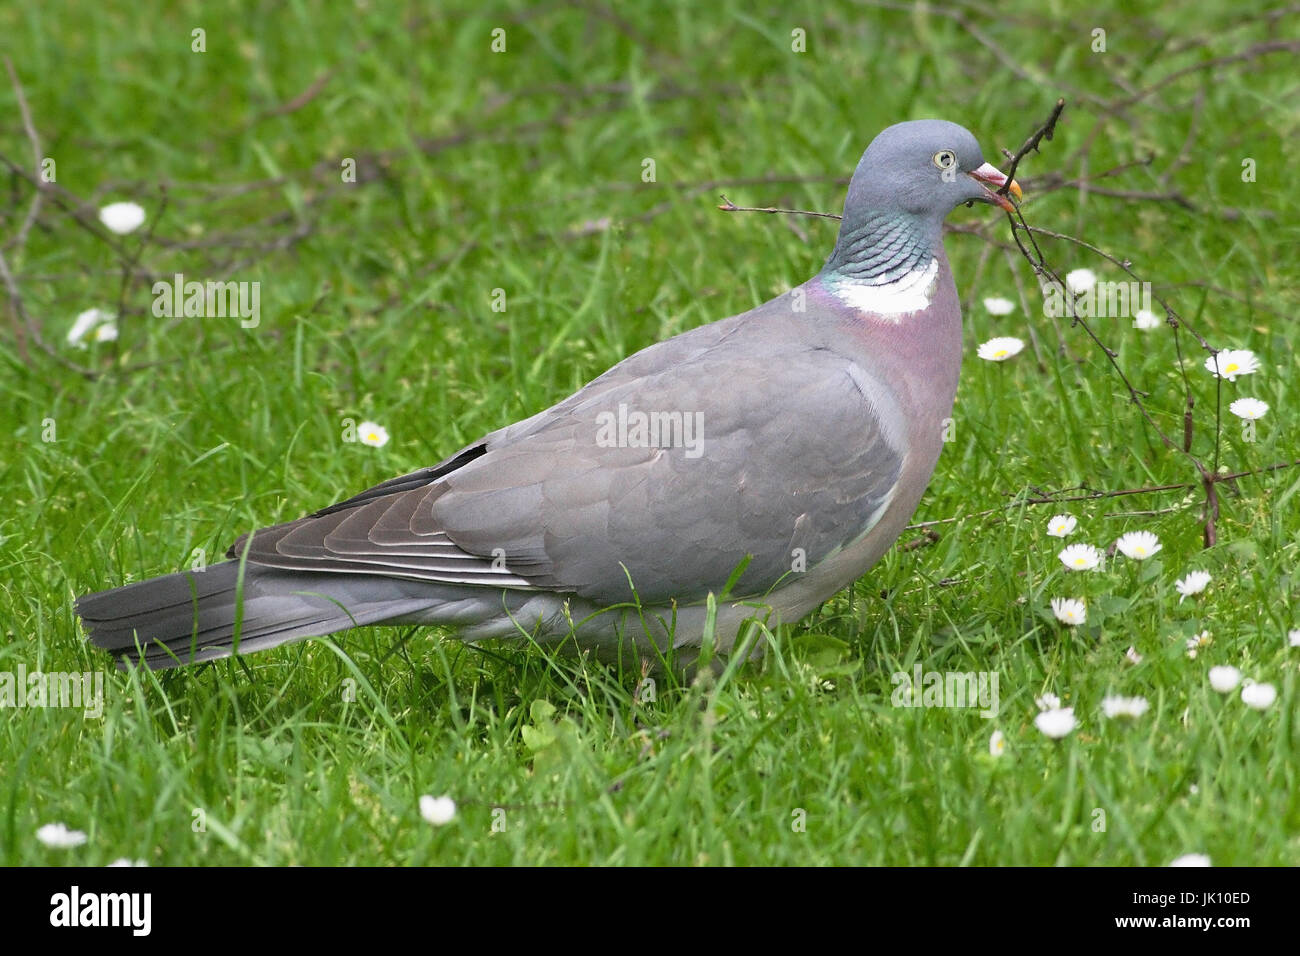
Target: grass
[480, 171]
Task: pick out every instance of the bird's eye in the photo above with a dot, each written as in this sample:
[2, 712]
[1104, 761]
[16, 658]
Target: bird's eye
[945, 159]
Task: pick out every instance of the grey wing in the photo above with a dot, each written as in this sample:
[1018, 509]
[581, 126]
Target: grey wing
[751, 459]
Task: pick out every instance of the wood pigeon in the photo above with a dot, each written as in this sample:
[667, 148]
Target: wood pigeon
[794, 440]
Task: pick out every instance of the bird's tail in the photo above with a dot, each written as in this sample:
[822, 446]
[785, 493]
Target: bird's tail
[197, 616]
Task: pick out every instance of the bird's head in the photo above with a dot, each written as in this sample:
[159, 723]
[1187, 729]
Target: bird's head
[925, 168]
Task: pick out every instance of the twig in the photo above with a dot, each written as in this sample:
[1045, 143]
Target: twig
[33, 332]
[1044, 132]
[1060, 497]
[20, 237]
[728, 206]
[1251, 53]
[299, 101]
[128, 270]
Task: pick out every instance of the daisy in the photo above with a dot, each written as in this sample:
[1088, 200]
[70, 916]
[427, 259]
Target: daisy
[126, 861]
[999, 306]
[59, 836]
[1224, 679]
[437, 810]
[1000, 349]
[1056, 723]
[122, 217]
[1133, 656]
[1047, 702]
[368, 433]
[1070, 611]
[1251, 409]
[1132, 707]
[1192, 859]
[1080, 557]
[1258, 696]
[1080, 280]
[1293, 637]
[90, 323]
[1061, 525]
[1195, 644]
[1229, 363]
[1193, 583]
[1138, 545]
[997, 744]
[1145, 319]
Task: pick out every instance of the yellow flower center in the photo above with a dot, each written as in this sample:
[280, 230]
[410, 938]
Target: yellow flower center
[1232, 367]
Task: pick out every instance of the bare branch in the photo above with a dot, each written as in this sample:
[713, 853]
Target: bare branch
[1044, 132]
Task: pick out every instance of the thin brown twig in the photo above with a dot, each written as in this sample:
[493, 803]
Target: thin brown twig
[20, 237]
[33, 331]
[728, 206]
[1061, 497]
[299, 101]
[1251, 53]
[128, 269]
[1044, 132]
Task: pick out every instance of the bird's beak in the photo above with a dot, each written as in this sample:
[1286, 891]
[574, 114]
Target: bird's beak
[991, 179]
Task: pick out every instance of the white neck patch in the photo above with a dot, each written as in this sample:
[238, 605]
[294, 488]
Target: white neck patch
[911, 292]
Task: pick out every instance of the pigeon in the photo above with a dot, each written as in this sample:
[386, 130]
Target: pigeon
[745, 470]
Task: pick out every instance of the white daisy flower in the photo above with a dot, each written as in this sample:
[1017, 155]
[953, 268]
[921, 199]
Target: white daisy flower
[1070, 611]
[376, 436]
[1193, 583]
[1080, 557]
[1251, 409]
[1061, 525]
[437, 810]
[1047, 702]
[122, 217]
[1224, 679]
[999, 306]
[126, 861]
[1138, 545]
[1192, 859]
[1258, 696]
[1056, 723]
[1229, 363]
[106, 332]
[58, 835]
[1131, 707]
[1080, 280]
[1197, 643]
[1000, 349]
[89, 323]
[1133, 656]
[1145, 319]
[1293, 637]
[997, 744]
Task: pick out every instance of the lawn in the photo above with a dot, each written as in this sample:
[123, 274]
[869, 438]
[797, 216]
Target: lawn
[451, 229]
